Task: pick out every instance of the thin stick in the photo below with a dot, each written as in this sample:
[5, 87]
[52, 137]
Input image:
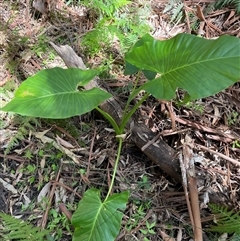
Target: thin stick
[163, 133]
[45, 215]
[192, 187]
[67, 187]
[193, 192]
[184, 181]
[12, 157]
[217, 153]
[90, 154]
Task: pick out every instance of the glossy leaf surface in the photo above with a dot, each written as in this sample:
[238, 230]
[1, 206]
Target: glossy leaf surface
[56, 93]
[95, 220]
[200, 66]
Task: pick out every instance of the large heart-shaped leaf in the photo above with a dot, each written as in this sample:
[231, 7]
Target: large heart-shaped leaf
[56, 93]
[95, 220]
[200, 66]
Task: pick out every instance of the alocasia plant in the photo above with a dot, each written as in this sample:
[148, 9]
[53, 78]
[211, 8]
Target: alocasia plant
[202, 67]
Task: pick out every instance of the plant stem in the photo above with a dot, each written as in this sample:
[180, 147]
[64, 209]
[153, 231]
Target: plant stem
[132, 95]
[110, 120]
[115, 168]
[127, 116]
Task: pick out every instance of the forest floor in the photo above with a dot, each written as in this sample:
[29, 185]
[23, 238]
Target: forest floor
[33, 170]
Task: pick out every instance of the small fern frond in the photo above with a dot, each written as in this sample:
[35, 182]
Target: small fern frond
[235, 237]
[175, 8]
[129, 41]
[24, 125]
[107, 7]
[177, 13]
[16, 229]
[223, 3]
[226, 221]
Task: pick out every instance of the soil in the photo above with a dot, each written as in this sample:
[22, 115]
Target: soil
[28, 165]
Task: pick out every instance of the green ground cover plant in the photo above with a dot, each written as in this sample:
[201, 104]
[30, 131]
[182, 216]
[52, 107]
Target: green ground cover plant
[16, 229]
[117, 25]
[225, 221]
[224, 3]
[199, 66]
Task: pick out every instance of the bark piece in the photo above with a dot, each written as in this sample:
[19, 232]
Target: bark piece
[159, 152]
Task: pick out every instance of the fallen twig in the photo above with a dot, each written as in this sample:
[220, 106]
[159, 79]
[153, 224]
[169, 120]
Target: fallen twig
[217, 153]
[188, 168]
[45, 215]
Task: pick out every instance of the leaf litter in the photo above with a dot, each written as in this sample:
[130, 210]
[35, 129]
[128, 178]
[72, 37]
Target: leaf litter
[65, 164]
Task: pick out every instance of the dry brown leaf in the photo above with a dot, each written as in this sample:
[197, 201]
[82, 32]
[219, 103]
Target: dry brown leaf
[8, 186]
[64, 143]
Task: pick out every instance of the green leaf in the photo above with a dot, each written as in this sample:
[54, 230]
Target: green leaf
[132, 69]
[54, 93]
[200, 66]
[95, 220]
[226, 221]
[17, 229]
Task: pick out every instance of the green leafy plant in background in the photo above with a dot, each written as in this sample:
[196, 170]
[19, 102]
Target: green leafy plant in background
[233, 118]
[175, 8]
[17, 229]
[25, 124]
[138, 218]
[224, 3]
[106, 7]
[194, 106]
[148, 230]
[138, 215]
[116, 21]
[57, 222]
[201, 67]
[225, 221]
[236, 144]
